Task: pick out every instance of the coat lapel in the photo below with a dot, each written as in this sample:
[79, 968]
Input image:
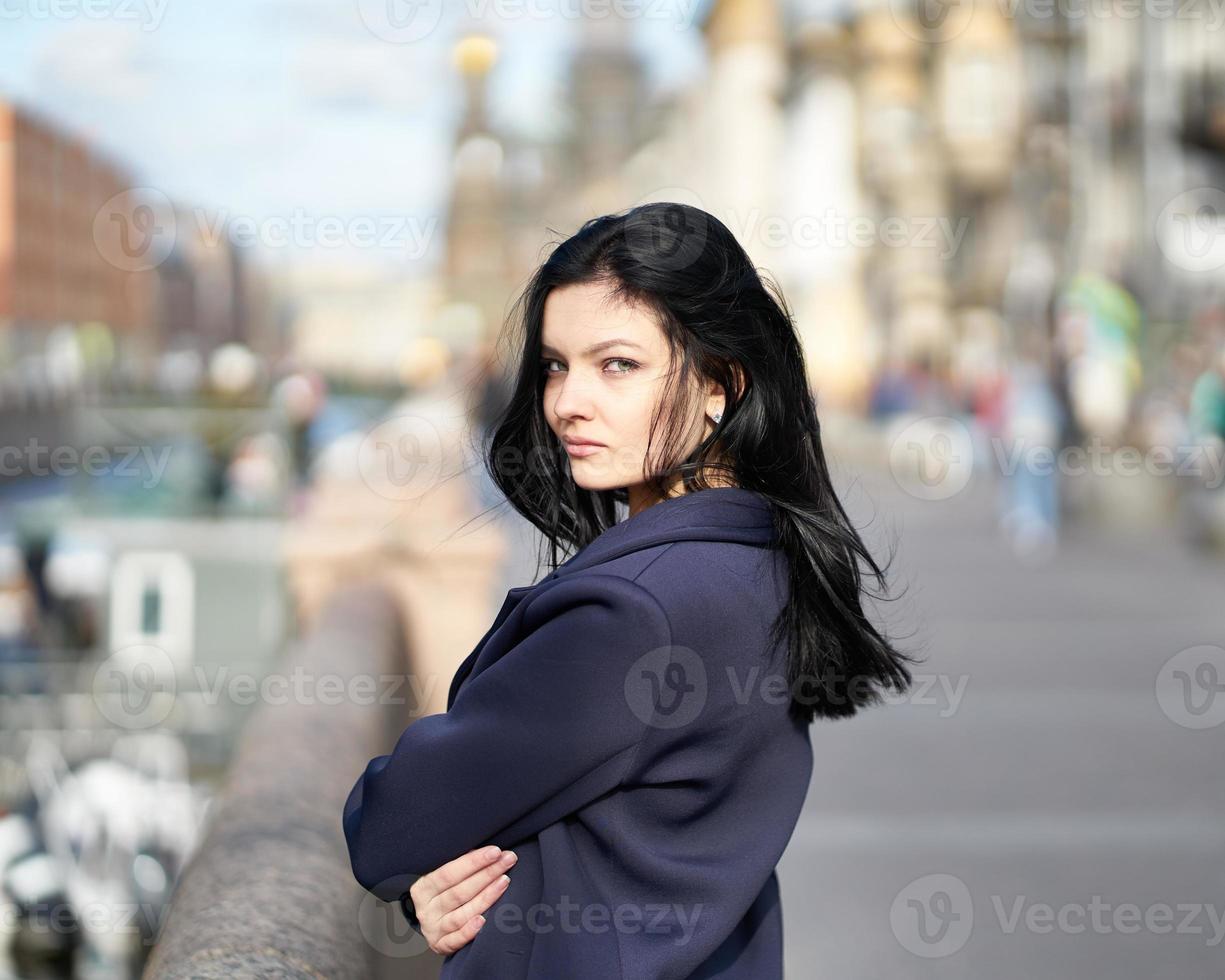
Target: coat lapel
[728, 514]
[512, 599]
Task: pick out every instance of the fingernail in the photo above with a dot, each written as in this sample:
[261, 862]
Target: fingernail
[492, 852]
[509, 858]
[480, 921]
[504, 879]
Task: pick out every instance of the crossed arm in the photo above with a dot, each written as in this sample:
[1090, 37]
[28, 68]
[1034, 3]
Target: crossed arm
[550, 726]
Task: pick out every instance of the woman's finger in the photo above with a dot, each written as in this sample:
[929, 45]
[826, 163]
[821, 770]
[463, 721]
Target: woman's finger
[460, 925]
[457, 895]
[427, 887]
[458, 940]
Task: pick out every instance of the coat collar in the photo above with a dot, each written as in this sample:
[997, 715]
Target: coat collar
[716, 514]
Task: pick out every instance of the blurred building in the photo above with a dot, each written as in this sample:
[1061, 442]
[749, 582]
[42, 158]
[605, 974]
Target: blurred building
[96, 273]
[476, 266]
[353, 322]
[986, 161]
[211, 292]
[53, 187]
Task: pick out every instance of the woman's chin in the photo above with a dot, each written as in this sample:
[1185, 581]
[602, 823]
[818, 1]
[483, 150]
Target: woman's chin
[592, 478]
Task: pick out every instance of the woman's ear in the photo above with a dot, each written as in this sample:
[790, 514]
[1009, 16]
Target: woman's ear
[716, 400]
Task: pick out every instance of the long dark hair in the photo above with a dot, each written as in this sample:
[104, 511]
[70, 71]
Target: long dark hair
[722, 324]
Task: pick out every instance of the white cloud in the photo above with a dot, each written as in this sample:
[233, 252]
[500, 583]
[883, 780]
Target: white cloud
[367, 74]
[101, 60]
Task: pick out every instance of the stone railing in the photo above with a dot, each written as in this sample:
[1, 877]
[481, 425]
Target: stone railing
[269, 892]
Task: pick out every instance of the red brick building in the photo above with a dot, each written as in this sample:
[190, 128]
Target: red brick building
[55, 263]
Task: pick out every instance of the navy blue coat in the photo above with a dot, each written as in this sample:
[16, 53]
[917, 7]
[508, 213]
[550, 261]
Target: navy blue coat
[615, 728]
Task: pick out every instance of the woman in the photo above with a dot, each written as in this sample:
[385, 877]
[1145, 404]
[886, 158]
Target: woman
[635, 726]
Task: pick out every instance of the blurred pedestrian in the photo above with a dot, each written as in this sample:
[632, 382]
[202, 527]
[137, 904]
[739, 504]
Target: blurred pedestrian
[1032, 422]
[1207, 403]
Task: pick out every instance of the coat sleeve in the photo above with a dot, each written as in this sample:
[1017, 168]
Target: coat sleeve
[550, 726]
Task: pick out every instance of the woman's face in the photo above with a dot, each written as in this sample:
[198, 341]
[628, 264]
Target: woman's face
[605, 367]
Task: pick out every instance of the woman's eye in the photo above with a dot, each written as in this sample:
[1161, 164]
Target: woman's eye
[628, 365]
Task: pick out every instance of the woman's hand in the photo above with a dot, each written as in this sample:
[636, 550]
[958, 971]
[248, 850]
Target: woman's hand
[449, 901]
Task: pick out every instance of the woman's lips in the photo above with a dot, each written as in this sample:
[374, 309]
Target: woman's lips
[582, 449]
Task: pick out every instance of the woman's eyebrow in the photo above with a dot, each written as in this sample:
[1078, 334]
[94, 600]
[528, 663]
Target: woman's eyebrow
[596, 348]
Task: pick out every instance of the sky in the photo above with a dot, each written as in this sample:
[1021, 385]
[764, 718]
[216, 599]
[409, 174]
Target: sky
[260, 108]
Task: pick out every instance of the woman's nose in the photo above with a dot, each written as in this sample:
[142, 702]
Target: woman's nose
[574, 398]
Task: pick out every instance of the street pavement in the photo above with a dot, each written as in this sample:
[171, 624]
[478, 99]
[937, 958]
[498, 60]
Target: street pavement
[1058, 818]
